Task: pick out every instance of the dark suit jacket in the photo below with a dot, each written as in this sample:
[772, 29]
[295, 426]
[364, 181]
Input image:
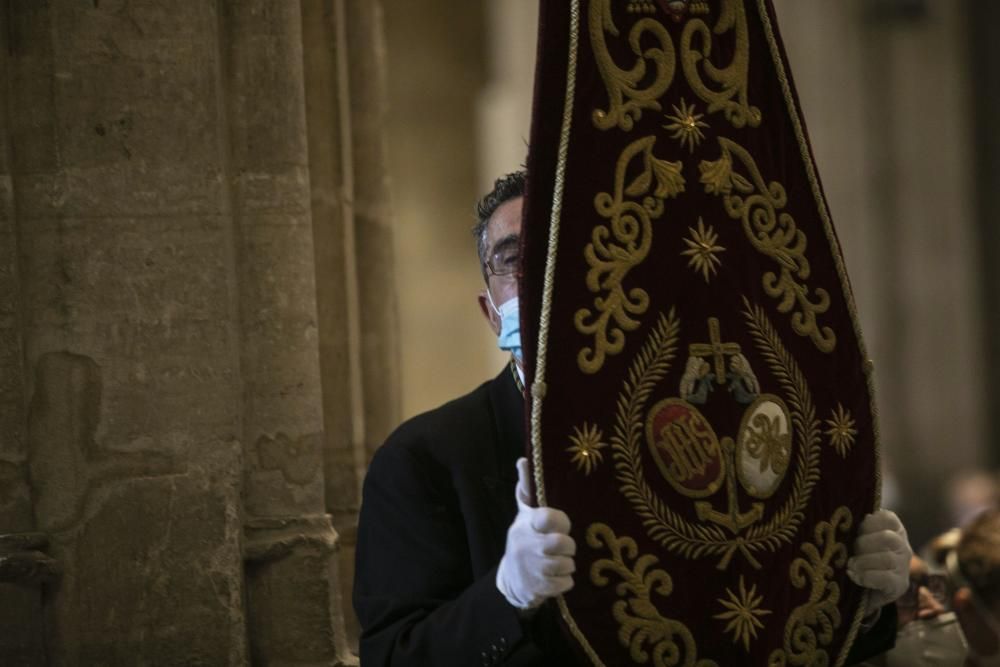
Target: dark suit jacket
[437, 502]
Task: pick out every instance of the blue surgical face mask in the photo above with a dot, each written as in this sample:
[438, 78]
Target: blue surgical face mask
[509, 339]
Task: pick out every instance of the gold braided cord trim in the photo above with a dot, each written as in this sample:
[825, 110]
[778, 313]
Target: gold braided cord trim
[538, 388]
[794, 114]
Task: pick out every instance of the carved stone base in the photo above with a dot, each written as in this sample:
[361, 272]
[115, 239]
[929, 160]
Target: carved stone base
[293, 610]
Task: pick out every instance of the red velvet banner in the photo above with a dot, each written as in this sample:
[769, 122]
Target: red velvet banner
[700, 396]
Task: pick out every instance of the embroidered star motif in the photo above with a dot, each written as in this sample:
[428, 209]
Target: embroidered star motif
[586, 447]
[743, 614]
[841, 431]
[686, 125]
[702, 250]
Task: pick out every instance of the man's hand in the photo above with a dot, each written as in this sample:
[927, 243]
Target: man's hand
[881, 560]
[538, 562]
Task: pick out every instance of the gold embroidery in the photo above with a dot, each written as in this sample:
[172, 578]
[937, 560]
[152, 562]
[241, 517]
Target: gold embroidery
[812, 624]
[537, 402]
[715, 349]
[774, 235]
[686, 125]
[616, 248]
[743, 613]
[586, 448]
[663, 524]
[841, 431]
[734, 520]
[733, 78]
[703, 249]
[626, 97]
[765, 446]
[641, 7]
[691, 446]
[677, 9]
[643, 630]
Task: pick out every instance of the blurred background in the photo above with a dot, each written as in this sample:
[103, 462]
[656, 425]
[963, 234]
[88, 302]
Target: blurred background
[235, 253]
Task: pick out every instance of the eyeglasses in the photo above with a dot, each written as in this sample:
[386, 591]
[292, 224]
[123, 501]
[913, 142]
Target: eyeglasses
[505, 260]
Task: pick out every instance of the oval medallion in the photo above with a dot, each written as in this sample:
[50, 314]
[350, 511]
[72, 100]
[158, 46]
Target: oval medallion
[764, 446]
[685, 448]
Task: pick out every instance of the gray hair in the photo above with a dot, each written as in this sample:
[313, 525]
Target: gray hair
[507, 187]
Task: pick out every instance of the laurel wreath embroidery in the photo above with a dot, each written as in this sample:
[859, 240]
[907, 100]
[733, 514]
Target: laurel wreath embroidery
[665, 526]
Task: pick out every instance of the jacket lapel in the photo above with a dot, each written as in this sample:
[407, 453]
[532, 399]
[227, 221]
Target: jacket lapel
[507, 404]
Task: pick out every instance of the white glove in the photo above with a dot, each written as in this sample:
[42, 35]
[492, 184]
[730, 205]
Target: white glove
[881, 560]
[538, 561]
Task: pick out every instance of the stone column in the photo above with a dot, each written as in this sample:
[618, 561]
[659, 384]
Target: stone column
[351, 207]
[21, 614]
[373, 222]
[124, 241]
[983, 17]
[292, 582]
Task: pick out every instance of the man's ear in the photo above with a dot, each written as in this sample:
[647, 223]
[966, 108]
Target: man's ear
[489, 313]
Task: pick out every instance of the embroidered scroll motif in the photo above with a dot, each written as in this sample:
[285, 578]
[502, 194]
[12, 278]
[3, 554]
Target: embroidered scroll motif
[642, 629]
[702, 250]
[626, 95]
[811, 625]
[618, 247]
[744, 614]
[586, 447]
[841, 430]
[731, 95]
[723, 533]
[773, 233]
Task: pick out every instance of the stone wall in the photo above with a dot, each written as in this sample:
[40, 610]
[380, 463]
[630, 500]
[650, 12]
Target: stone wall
[174, 247]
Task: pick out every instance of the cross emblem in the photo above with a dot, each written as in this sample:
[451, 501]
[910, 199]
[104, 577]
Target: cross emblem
[715, 348]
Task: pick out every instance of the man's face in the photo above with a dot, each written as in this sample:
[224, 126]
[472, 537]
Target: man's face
[503, 232]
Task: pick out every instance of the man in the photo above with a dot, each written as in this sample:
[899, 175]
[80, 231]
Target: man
[453, 566]
[974, 570]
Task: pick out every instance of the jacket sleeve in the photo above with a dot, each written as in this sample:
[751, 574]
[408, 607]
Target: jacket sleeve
[414, 592]
[877, 640]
